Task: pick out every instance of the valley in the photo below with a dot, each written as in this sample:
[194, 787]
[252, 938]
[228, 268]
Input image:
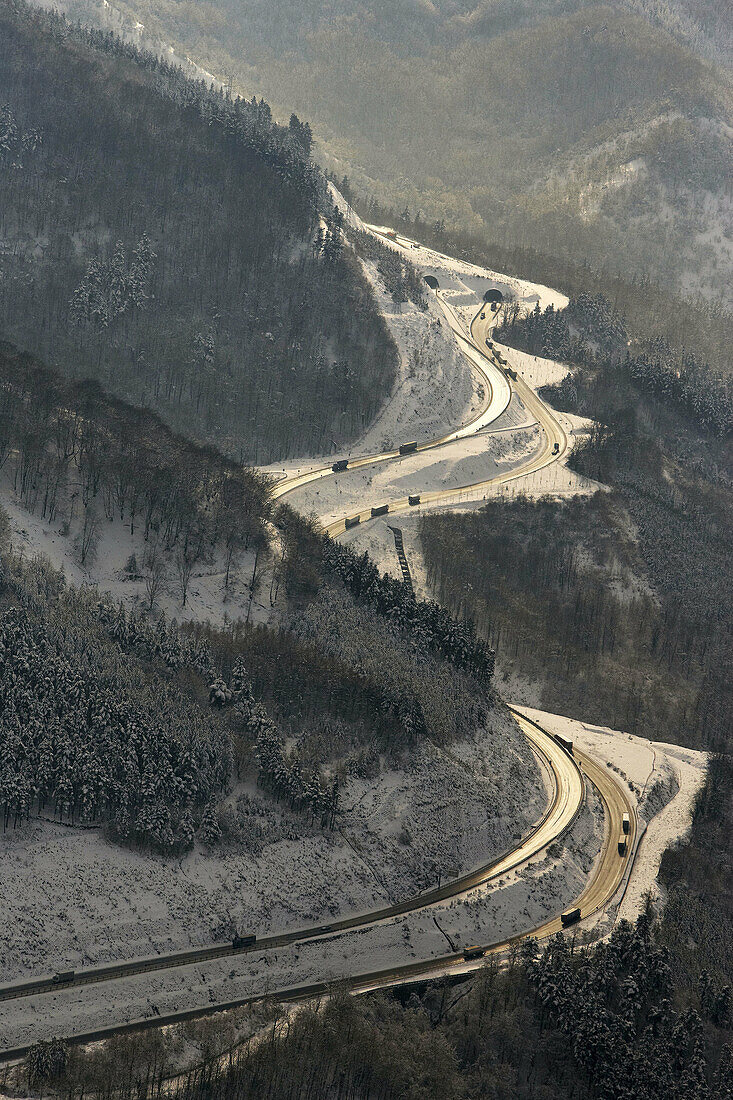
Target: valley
[365, 511]
[228, 892]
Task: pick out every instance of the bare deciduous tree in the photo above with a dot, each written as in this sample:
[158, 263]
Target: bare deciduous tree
[155, 573]
[88, 538]
[184, 569]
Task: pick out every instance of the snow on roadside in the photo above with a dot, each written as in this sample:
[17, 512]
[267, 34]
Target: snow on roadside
[677, 773]
[464, 462]
[467, 278]
[534, 369]
[670, 825]
[436, 389]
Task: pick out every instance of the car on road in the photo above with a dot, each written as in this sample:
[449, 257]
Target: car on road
[556, 448]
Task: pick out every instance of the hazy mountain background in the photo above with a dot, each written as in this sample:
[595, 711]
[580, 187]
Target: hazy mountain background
[597, 131]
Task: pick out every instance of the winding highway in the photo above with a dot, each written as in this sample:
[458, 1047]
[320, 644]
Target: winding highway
[498, 391]
[563, 807]
[497, 395]
[570, 770]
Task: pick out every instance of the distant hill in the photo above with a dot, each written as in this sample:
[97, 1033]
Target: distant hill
[169, 242]
[573, 127]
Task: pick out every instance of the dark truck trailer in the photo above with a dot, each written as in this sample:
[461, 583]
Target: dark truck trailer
[408, 448]
[342, 464]
[564, 743]
[352, 521]
[473, 952]
[381, 510]
[414, 499]
[622, 845]
[570, 917]
[626, 823]
[244, 941]
[63, 976]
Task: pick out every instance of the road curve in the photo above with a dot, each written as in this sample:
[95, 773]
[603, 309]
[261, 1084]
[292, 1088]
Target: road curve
[609, 873]
[553, 433]
[559, 815]
[497, 398]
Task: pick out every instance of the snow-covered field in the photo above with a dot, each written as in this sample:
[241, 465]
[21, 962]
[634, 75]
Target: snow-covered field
[206, 599]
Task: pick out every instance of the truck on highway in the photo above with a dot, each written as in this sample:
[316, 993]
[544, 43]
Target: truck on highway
[564, 743]
[342, 464]
[414, 499]
[556, 448]
[244, 941]
[351, 521]
[473, 952]
[570, 916]
[63, 976]
[408, 448]
[626, 823]
[381, 510]
[622, 845]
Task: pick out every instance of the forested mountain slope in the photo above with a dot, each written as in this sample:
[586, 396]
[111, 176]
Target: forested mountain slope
[165, 240]
[600, 131]
[352, 672]
[619, 606]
